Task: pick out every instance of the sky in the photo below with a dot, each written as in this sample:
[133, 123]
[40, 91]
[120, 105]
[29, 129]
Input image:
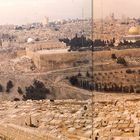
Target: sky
[27, 11]
[126, 8]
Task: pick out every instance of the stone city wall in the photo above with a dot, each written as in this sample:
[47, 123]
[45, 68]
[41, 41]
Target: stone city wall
[58, 61]
[46, 61]
[45, 45]
[103, 55]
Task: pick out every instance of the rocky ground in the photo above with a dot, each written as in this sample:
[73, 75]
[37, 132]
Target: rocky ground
[62, 119]
[111, 117]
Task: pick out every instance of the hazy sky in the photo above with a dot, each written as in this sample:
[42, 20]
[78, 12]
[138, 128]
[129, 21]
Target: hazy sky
[25, 11]
[129, 8]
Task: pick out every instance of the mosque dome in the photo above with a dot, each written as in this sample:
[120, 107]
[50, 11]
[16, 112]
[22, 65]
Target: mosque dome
[134, 31]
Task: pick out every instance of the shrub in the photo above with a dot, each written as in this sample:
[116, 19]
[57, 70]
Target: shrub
[121, 60]
[37, 39]
[16, 99]
[73, 80]
[37, 91]
[113, 56]
[99, 73]
[20, 90]
[129, 71]
[51, 100]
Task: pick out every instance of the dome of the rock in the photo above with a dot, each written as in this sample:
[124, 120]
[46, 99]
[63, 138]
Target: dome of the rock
[134, 31]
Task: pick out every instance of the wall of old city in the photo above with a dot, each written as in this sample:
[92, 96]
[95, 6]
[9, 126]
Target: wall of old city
[63, 60]
[52, 61]
[106, 55]
[60, 60]
[45, 45]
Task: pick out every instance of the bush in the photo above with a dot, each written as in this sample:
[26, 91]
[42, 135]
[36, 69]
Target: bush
[20, 90]
[37, 91]
[37, 39]
[73, 80]
[51, 100]
[9, 86]
[121, 60]
[129, 71]
[16, 99]
[113, 56]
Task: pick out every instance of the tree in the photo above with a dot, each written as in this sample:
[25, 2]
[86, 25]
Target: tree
[79, 74]
[77, 42]
[131, 89]
[1, 88]
[87, 74]
[113, 40]
[37, 91]
[73, 80]
[9, 86]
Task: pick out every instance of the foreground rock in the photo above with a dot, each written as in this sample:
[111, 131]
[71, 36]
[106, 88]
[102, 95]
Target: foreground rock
[106, 119]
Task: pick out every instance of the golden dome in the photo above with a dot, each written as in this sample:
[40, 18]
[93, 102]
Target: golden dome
[134, 31]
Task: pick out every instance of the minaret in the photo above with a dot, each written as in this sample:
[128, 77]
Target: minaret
[46, 22]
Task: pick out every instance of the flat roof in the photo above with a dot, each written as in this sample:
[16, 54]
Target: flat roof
[53, 51]
[132, 36]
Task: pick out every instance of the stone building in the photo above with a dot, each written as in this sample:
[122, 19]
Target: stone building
[55, 55]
